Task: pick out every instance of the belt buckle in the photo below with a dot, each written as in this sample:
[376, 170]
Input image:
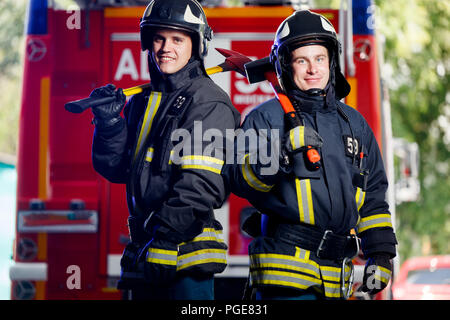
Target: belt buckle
[322, 242]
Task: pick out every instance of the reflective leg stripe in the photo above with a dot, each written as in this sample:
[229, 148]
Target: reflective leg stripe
[374, 221]
[153, 104]
[251, 178]
[161, 256]
[359, 197]
[283, 278]
[297, 137]
[201, 257]
[149, 155]
[202, 163]
[280, 261]
[304, 200]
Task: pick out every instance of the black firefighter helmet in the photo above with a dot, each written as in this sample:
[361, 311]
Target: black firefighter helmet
[302, 28]
[186, 15]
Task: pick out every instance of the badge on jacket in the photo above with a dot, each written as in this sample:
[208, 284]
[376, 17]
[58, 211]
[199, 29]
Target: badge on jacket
[352, 145]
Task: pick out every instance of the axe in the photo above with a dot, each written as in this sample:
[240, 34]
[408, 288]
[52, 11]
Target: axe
[234, 61]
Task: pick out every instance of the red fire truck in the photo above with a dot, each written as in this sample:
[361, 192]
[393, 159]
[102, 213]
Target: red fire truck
[71, 223]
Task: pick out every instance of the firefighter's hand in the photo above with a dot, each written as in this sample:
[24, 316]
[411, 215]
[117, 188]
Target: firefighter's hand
[377, 273]
[300, 137]
[108, 114]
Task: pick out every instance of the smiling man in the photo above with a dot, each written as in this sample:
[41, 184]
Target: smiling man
[304, 241]
[175, 243]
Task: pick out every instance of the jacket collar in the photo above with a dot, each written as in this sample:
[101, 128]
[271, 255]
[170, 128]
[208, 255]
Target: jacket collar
[179, 79]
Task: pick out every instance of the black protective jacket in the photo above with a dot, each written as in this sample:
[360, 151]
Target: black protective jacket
[297, 202]
[168, 152]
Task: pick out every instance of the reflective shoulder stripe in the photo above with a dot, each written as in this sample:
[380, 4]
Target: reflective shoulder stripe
[202, 163]
[152, 106]
[251, 178]
[304, 201]
[359, 198]
[297, 137]
[374, 221]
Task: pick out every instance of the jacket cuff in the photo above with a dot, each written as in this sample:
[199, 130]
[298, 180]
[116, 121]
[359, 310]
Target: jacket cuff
[109, 128]
[378, 240]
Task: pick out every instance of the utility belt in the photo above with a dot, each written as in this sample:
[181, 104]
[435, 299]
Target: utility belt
[325, 244]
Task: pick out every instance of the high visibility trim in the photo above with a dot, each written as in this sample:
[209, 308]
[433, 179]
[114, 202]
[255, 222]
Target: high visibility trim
[208, 234]
[279, 261]
[162, 256]
[149, 155]
[297, 137]
[302, 253]
[284, 278]
[359, 198]
[251, 178]
[304, 201]
[152, 106]
[202, 163]
[201, 257]
[374, 221]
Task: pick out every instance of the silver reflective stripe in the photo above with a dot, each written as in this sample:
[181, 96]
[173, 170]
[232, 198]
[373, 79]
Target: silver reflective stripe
[161, 256]
[359, 198]
[297, 137]
[149, 155]
[202, 163]
[201, 257]
[251, 178]
[304, 201]
[153, 103]
[374, 221]
[283, 262]
[284, 278]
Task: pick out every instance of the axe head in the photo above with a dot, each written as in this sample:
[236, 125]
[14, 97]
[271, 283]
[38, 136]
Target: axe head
[258, 70]
[234, 61]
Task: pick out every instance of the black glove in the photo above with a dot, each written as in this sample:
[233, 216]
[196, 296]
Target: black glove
[107, 115]
[299, 137]
[377, 273]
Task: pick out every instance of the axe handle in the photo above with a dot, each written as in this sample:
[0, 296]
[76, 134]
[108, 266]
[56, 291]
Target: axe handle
[83, 104]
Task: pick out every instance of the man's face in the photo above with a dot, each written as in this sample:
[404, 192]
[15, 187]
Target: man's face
[311, 67]
[172, 50]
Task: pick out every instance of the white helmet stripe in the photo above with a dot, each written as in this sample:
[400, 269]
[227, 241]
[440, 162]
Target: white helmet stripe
[189, 17]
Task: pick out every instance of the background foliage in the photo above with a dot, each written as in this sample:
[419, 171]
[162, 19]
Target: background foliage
[416, 37]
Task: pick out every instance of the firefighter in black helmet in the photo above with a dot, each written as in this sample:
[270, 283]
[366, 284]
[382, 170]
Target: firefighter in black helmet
[173, 182]
[304, 242]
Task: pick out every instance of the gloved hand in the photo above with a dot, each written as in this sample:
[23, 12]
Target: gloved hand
[300, 137]
[107, 115]
[377, 273]
[160, 264]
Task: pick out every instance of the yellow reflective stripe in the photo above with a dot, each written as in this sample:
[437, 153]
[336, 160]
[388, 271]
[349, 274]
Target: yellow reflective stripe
[279, 261]
[374, 221]
[170, 157]
[149, 155]
[284, 278]
[162, 261]
[304, 200]
[152, 106]
[251, 178]
[163, 251]
[297, 137]
[359, 198]
[201, 257]
[202, 163]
